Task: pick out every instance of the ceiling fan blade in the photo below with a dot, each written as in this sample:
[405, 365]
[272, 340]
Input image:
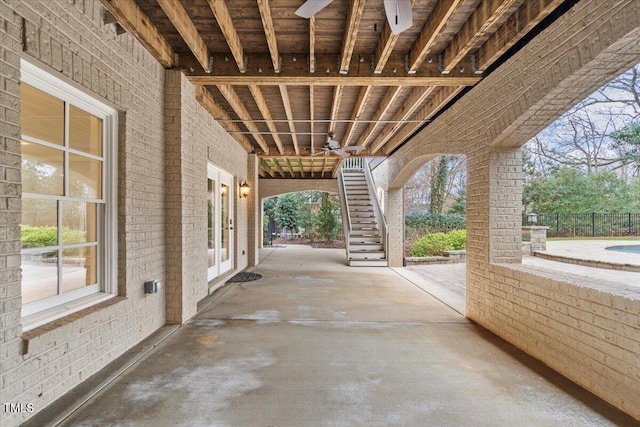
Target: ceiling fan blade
[341, 153]
[319, 153]
[354, 148]
[399, 15]
[311, 7]
[333, 144]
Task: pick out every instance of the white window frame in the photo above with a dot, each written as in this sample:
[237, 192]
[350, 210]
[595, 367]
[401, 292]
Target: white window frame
[43, 311]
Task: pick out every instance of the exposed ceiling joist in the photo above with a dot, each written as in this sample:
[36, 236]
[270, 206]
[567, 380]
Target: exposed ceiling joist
[432, 29]
[270, 33]
[475, 30]
[387, 101]
[439, 100]
[528, 15]
[188, 31]
[301, 167]
[219, 8]
[312, 44]
[264, 110]
[237, 105]
[204, 97]
[265, 167]
[312, 115]
[284, 93]
[361, 102]
[134, 20]
[350, 34]
[416, 98]
[335, 107]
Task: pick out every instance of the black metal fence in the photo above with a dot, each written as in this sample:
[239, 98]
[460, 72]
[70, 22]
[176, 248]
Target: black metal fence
[589, 225]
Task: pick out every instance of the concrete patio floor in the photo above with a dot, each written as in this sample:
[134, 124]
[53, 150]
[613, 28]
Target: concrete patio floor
[317, 343]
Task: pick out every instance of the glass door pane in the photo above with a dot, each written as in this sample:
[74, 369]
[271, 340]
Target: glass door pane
[211, 223]
[224, 223]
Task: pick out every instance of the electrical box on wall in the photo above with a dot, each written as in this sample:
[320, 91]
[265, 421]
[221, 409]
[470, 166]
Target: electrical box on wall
[152, 286]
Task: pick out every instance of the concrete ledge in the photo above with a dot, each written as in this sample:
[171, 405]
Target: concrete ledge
[588, 262]
[447, 257]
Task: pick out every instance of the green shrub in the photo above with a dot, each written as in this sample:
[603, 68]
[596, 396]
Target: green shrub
[434, 244]
[39, 237]
[430, 245]
[419, 223]
[457, 239]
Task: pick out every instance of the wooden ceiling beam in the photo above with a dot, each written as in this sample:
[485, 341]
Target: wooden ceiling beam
[289, 167]
[387, 101]
[297, 73]
[276, 165]
[354, 15]
[312, 171]
[266, 114]
[386, 43]
[134, 20]
[265, 166]
[476, 30]
[528, 15]
[319, 80]
[431, 32]
[302, 167]
[416, 98]
[234, 101]
[270, 33]
[220, 11]
[312, 114]
[335, 108]
[439, 100]
[324, 167]
[188, 31]
[284, 93]
[312, 44]
[204, 97]
[361, 102]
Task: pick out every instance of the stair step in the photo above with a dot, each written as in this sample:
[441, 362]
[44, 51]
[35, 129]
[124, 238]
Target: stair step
[368, 263]
[359, 247]
[366, 255]
[364, 233]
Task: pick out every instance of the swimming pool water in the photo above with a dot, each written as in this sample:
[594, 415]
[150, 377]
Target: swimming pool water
[632, 249]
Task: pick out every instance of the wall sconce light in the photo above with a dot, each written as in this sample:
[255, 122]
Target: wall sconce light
[244, 189]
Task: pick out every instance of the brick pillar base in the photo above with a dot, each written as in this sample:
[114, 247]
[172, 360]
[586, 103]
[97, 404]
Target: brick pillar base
[395, 221]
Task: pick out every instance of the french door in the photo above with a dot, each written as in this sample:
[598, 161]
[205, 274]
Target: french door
[220, 236]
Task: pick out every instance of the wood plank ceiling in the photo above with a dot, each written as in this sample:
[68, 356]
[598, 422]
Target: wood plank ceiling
[279, 83]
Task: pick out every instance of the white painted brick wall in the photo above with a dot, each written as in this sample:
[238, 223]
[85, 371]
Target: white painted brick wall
[67, 38]
[585, 330]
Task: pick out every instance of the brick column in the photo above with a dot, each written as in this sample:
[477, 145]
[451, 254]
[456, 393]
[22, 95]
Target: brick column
[254, 212]
[394, 210]
[505, 206]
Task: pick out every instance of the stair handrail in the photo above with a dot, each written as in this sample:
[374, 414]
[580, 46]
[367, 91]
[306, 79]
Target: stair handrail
[380, 218]
[346, 216]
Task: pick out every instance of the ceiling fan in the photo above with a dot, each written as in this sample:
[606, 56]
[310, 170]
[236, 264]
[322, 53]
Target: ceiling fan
[333, 146]
[398, 12]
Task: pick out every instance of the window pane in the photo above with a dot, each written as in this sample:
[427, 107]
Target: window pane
[85, 177]
[39, 276]
[79, 222]
[85, 131]
[224, 226]
[41, 115]
[211, 217]
[79, 268]
[39, 227]
[42, 169]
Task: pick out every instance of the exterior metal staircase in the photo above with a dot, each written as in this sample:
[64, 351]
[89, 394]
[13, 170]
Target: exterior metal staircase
[364, 226]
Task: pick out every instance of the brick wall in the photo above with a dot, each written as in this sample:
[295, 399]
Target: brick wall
[194, 139]
[68, 39]
[587, 330]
